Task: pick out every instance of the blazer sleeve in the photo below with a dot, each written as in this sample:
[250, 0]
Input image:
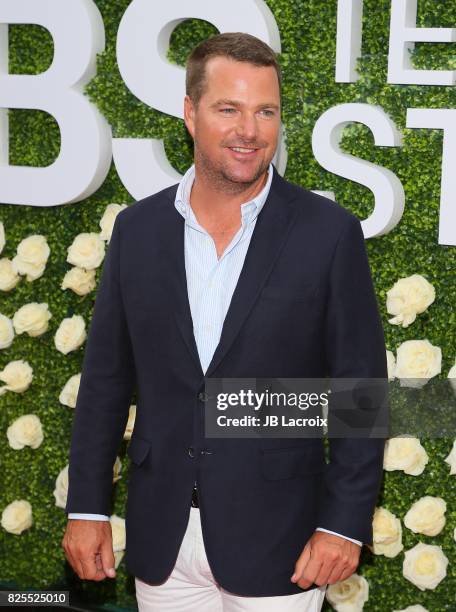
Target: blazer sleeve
[107, 381]
[355, 348]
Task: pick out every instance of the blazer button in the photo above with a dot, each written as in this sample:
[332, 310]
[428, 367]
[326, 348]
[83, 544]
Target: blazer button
[203, 396]
[191, 451]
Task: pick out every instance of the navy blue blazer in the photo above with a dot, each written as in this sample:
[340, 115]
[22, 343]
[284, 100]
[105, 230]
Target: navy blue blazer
[304, 306]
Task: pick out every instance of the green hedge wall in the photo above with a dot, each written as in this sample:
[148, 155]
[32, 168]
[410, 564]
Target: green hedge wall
[308, 34]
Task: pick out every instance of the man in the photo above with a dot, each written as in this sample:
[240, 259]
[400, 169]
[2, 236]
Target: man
[234, 272]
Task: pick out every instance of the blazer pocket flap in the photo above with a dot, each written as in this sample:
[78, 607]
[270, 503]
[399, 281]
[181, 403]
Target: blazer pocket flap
[137, 449]
[277, 463]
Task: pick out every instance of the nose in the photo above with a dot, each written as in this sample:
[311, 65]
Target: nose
[247, 127]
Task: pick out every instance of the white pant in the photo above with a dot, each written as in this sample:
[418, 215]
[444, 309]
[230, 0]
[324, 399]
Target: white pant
[191, 587]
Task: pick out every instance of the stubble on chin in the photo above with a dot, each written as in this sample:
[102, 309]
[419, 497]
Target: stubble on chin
[221, 178]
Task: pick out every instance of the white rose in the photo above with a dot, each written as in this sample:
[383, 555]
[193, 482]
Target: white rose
[409, 297]
[26, 430]
[69, 393]
[87, 251]
[415, 608]
[118, 533]
[32, 318]
[427, 515]
[387, 533]
[61, 488]
[417, 361]
[130, 423]
[8, 276]
[70, 335]
[116, 470]
[31, 257]
[452, 377]
[108, 218]
[17, 516]
[6, 332]
[17, 375]
[348, 595]
[118, 555]
[405, 453]
[391, 363]
[425, 565]
[79, 280]
[451, 459]
[2, 236]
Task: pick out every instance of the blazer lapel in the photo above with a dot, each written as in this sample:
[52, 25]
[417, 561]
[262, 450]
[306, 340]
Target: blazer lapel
[175, 265]
[269, 236]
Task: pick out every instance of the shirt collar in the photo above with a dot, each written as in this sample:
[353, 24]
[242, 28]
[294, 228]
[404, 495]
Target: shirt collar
[249, 210]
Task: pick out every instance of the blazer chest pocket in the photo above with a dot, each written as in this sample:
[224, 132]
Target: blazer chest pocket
[138, 449]
[279, 463]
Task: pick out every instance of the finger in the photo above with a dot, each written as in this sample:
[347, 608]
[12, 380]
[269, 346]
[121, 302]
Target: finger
[107, 557]
[326, 570]
[310, 573]
[90, 568]
[347, 572]
[99, 564]
[301, 563]
[71, 555]
[336, 574]
[79, 569]
[75, 564]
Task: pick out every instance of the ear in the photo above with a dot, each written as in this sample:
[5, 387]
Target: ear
[189, 115]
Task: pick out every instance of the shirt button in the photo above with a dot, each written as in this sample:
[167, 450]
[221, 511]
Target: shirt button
[191, 451]
[203, 396]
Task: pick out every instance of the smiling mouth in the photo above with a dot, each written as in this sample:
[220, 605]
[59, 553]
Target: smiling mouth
[243, 150]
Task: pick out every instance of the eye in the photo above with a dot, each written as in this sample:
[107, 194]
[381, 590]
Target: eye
[268, 112]
[227, 109]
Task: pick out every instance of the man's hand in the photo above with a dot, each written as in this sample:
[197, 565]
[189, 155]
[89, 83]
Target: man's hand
[326, 559]
[88, 548]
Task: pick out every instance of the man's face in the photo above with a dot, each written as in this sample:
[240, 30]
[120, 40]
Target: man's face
[240, 107]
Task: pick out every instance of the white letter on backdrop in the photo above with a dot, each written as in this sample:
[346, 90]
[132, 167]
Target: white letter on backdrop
[85, 155]
[387, 188]
[142, 44]
[349, 38]
[403, 35]
[4, 131]
[442, 119]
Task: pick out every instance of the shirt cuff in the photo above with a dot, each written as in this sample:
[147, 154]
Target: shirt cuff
[340, 535]
[88, 517]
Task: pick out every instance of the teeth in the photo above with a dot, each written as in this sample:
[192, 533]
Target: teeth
[241, 150]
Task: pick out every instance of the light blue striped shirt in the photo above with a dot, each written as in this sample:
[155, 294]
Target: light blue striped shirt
[211, 281]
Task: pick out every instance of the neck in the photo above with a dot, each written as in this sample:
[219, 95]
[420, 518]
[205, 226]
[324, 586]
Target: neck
[213, 202]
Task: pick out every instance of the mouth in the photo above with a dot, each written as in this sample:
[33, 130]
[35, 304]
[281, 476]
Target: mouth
[243, 152]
